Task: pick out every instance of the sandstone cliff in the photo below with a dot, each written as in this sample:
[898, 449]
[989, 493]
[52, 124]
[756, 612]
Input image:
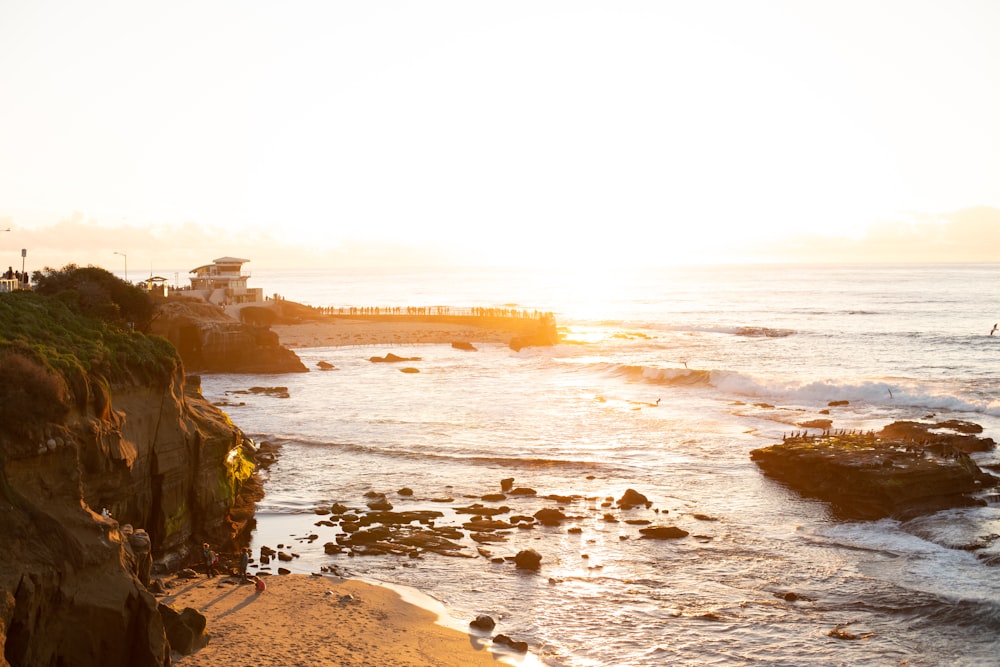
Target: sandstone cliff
[94, 418]
[211, 341]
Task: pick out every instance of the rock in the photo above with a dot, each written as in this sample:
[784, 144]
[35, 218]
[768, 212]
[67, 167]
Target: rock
[483, 622]
[185, 629]
[549, 516]
[964, 439]
[838, 404]
[409, 369]
[464, 345]
[208, 339]
[379, 502]
[493, 497]
[520, 647]
[864, 476]
[325, 366]
[506, 484]
[632, 498]
[528, 559]
[392, 358]
[663, 532]
[405, 491]
[821, 424]
[523, 491]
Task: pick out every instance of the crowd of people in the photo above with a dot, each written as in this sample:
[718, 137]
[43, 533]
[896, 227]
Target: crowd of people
[11, 274]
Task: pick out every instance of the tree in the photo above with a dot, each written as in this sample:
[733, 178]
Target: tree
[97, 293]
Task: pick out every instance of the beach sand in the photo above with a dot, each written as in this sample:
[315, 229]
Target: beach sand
[344, 331]
[303, 620]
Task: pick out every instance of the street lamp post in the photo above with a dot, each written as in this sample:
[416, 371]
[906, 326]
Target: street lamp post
[126, 263]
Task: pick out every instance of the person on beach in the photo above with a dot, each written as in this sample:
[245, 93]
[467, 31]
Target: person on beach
[244, 562]
[259, 585]
[210, 559]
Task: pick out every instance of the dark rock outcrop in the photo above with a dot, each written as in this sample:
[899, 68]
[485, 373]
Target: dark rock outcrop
[153, 453]
[528, 559]
[211, 341]
[865, 476]
[632, 498]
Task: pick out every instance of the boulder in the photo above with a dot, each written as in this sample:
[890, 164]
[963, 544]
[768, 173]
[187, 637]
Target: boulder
[519, 646]
[528, 559]
[185, 628]
[632, 498]
[663, 532]
[550, 516]
[483, 622]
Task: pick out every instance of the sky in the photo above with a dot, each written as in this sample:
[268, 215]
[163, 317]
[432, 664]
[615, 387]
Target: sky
[474, 133]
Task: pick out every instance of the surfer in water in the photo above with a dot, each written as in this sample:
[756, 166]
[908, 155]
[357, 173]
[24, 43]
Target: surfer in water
[993, 330]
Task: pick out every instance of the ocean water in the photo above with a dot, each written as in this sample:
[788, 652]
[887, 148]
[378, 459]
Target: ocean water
[667, 381]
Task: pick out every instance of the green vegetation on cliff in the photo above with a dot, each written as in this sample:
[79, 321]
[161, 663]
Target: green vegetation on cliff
[54, 354]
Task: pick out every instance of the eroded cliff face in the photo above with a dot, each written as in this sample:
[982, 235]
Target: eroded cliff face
[209, 340]
[157, 456]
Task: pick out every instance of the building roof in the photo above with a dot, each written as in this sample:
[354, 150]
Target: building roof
[221, 260]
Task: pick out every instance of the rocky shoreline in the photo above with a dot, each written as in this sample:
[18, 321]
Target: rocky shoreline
[905, 470]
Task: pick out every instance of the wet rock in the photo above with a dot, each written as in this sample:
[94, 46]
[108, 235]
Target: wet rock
[476, 508]
[483, 622]
[528, 559]
[464, 345]
[866, 476]
[663, 532]
[405, 491]
[821, 424]
[391, 359]
[523, 491]
[519, 646]
[379, 502]
[506, 484]
[632, 498]
[550, 517]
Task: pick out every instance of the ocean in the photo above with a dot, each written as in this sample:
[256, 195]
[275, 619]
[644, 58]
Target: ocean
[667, 380]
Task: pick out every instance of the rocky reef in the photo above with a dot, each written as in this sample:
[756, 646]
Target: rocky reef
[98, 429]
[209, 340]
[904, 470]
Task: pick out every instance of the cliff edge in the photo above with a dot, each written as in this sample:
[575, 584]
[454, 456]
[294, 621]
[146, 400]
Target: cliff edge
[98, 429]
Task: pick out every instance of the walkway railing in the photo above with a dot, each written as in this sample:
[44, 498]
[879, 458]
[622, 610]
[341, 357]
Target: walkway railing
[436, 311]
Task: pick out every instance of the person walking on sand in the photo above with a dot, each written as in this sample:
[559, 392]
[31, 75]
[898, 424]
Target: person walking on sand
[210, 559]
[244, 562]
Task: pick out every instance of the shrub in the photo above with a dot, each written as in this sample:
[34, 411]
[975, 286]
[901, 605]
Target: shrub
[30, 395]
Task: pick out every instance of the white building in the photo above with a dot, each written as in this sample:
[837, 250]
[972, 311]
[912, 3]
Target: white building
[224, 283]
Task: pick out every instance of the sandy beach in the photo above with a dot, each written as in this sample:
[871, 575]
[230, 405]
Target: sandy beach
[303, 620]
[309, 620]
[344, 331]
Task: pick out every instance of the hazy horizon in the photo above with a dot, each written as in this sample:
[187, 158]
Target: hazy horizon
[567, 134]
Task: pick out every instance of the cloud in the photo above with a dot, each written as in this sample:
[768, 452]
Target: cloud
[77, 239]
[966, 235]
